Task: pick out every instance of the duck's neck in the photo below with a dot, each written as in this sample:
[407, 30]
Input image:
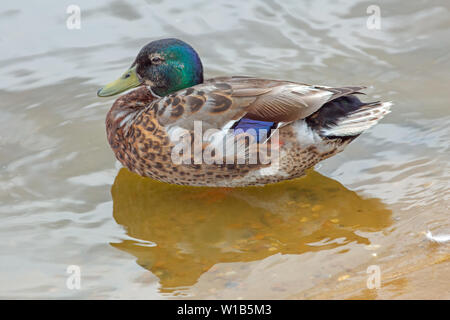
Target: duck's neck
[124, 108]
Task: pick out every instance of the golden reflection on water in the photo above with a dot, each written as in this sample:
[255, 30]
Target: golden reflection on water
[194, 228]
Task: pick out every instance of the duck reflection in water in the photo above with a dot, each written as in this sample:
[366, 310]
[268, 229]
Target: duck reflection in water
[194, 228]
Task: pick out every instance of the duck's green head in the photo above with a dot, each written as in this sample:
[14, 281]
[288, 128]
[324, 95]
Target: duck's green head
[166, 66]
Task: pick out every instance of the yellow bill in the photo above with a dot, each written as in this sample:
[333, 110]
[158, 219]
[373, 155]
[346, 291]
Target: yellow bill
[127, 81]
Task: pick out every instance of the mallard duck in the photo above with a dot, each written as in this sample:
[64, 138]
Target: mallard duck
[178, 128]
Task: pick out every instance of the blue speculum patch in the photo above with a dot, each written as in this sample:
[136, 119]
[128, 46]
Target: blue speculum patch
[257, 128]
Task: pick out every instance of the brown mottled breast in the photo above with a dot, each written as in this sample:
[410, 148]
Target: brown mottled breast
[124, 109]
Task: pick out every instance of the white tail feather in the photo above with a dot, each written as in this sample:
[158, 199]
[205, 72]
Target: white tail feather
[359, 121]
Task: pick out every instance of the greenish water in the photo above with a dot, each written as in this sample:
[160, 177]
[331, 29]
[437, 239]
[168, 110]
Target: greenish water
[64, 201]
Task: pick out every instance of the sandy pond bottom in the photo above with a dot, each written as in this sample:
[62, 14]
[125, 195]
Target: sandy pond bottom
[307, 238]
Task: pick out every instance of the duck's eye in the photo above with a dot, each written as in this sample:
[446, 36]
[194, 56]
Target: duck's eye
[156, 60]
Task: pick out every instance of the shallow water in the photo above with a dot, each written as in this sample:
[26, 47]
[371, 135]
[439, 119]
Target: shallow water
[64, 201]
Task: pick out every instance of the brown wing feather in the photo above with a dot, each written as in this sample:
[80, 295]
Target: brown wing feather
[220, 100]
